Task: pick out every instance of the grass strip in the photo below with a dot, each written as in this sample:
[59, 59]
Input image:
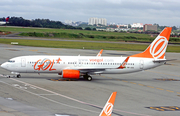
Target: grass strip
[86, 45]
[83, 34]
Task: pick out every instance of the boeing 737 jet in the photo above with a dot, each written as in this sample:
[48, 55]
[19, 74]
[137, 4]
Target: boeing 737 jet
[76, 66]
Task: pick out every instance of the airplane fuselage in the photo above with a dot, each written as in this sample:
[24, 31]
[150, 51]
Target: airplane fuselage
[55, 64]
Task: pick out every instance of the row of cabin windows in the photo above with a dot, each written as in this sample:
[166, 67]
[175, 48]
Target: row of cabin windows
[40, 62]
[86, 63]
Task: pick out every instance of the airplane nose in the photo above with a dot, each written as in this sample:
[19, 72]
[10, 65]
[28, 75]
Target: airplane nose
[3, 65]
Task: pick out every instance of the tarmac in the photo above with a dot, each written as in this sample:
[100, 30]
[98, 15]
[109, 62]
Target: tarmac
[154, 92]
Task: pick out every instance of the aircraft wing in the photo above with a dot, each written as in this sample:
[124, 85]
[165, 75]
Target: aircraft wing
[92, 71]
[100, 70]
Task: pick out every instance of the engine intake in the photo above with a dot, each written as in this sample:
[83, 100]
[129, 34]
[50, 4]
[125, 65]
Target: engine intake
[74, 74]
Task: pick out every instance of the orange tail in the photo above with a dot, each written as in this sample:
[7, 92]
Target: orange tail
[107, 110]
[99, 54]
[158, 47]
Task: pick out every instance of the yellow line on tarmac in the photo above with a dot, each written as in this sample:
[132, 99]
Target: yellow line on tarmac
[141, 84]
[150, 86]
[163, 73]
[132, 82]
[159, 89]
[169, 91]
[106, 77]
[125, 81]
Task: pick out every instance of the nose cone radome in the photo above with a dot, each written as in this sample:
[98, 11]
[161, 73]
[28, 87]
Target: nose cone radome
[3, 65]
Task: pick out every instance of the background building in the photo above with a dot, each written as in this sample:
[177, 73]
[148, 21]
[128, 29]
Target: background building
[137, 25]
[97, 21]
[149, 27]
[68, 22]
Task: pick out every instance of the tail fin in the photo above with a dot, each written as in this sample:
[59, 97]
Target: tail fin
[158, 47]
[7, 19]
[107, 110]
[100, 52]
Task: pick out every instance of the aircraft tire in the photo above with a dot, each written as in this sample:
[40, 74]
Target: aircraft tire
[19, 76]
[89, 78]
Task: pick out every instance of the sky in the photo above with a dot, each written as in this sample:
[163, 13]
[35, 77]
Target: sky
[162, 12]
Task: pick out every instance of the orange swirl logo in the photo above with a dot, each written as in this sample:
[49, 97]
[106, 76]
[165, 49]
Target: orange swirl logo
[158, 47]
[108, 109]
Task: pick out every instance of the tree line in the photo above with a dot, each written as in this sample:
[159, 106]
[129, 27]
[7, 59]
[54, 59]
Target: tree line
[43, 23]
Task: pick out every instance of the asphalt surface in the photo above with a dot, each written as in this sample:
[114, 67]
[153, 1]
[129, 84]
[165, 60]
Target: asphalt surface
[154, 92]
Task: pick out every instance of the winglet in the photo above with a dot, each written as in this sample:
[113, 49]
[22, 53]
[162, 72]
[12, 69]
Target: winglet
[124, 63]
[158, 47]
[100, 52]
[107, 110]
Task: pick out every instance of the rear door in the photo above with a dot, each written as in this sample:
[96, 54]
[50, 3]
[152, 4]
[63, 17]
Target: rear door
[141, 64]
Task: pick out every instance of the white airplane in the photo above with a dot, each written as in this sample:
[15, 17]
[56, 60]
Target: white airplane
[4, 22]
[76, 66]
[107, 110]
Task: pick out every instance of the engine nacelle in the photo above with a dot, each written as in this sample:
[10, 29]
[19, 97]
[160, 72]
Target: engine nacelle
[74, 74]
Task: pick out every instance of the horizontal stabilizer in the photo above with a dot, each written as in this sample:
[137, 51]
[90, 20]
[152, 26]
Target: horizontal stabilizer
[164, 60]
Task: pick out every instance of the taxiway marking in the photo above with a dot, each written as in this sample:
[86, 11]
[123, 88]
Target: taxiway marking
[165, 108]
[163, 73]
[144, 85]
[46, 97]
[73, 99]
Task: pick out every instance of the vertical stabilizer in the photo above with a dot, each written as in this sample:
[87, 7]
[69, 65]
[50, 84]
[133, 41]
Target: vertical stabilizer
[100, 52]
[107, 110]
[158, 47]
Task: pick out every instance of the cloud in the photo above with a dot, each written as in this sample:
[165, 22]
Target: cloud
[164, 12]
[114, 1]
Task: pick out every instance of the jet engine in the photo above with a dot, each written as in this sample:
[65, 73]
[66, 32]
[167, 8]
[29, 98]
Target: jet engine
[74, 74]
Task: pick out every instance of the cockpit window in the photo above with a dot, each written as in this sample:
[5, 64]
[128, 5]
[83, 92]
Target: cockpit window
[11, 61]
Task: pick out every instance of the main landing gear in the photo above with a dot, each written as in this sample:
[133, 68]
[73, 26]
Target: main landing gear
[18, 76]
[87, 77]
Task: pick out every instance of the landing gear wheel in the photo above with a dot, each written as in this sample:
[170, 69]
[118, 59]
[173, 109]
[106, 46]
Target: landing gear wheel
[89, 78]
[18, 76]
